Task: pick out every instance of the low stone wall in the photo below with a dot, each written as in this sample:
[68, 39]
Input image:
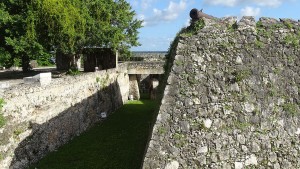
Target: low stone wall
[232, 98]
[40, 119]
[146, 67]
[148, 56]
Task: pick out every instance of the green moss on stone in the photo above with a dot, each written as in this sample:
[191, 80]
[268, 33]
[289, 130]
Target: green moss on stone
[292, 40]
[17, 132]
[97, 79]
[2, 118]
[179, 139]
[259, 44]
[291, 109]
[288, 24]
[241, 75]
[162, 130]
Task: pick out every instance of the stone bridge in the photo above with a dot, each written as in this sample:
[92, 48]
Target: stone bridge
[143, 76]
[140, 67]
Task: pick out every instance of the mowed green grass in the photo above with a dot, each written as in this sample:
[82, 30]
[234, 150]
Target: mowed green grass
[117, 143]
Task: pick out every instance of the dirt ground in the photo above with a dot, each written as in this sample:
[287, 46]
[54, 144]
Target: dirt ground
[15, 77]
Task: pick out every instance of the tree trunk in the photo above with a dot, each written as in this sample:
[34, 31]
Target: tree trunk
[25, 63]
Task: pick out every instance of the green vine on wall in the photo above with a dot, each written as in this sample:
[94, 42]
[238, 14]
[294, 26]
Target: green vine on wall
[103, 81]
[2, 119]
[292, 39]
[193, 28]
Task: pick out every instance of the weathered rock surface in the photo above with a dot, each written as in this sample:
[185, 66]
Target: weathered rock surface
[42, 118]
[236, 88]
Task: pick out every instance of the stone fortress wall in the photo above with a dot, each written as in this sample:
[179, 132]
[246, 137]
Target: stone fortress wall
[40, 119]
[231, 99]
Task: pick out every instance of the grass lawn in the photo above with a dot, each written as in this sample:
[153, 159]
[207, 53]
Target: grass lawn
[117, 143]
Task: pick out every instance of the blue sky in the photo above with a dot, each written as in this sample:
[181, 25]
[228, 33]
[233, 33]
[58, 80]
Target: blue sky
[164, 18]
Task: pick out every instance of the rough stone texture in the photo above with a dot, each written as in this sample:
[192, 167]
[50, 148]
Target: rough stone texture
[40, 119]
[146, 67]
[245, 80]
[134, 87]
[148, 56]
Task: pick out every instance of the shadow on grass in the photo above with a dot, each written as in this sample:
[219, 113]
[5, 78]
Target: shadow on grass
[48, 135]
[117, 143]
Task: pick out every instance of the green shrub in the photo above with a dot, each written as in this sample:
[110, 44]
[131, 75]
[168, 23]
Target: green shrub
[44, 60]
[193, 28]
[73, 72]
[291, 40]
[5, 58]
[288, 24]
[233, 27]
[259, 24]
[196, 26]
[17, 62]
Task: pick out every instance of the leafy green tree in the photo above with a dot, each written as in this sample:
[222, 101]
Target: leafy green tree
[72, 25]
[18, 41]
[5, 56]
[112, 24]
[60, 27]
[32, 29]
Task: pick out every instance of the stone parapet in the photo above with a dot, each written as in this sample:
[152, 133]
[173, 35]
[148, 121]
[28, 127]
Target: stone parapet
[145, 67]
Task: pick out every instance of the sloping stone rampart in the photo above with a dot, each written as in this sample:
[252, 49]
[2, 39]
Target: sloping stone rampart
[232, 98]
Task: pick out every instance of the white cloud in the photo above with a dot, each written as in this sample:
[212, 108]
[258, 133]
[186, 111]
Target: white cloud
[141, 17]
[187, 23]
[250, 11]
[146, 3]
[168, 14]
[271, 3]
[232, 3]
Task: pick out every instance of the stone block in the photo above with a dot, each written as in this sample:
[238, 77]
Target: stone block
[229, 20]
[247, 22]
[33, 63]
[43, 75]
[42, 78]
[267, 22]
[30, 80]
